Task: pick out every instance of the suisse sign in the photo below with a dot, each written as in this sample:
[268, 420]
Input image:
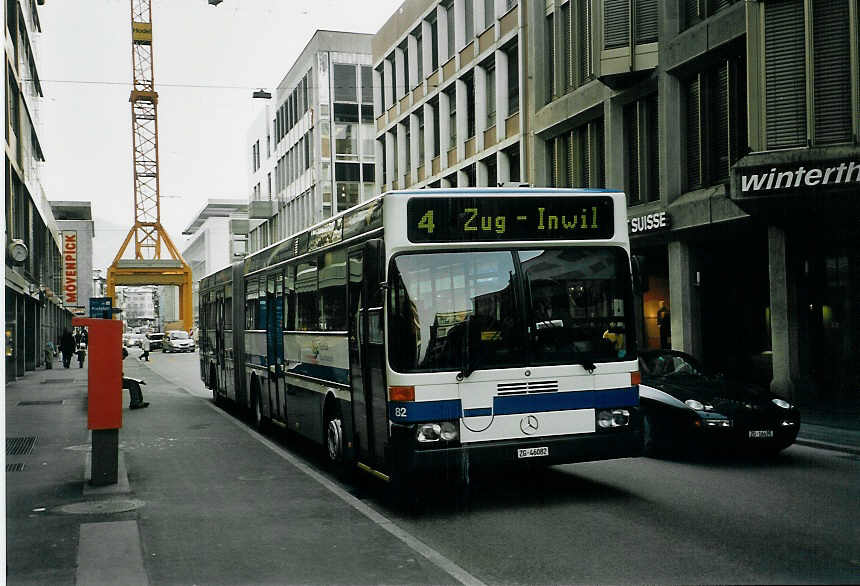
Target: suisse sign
[649, 223]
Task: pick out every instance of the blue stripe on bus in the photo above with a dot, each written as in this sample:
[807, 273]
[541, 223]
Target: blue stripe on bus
[419, 411]
[536, 403]
[482, 412]
[334, 374]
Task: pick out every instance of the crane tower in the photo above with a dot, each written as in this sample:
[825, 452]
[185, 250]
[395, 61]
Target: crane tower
[148, 267]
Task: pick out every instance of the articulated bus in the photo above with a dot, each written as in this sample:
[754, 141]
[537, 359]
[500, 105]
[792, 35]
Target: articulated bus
[438, 331]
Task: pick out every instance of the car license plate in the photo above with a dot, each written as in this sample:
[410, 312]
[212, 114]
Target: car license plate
[761, 433]
[532, 452]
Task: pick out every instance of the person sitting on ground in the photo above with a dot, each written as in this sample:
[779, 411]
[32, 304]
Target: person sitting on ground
[134, 390]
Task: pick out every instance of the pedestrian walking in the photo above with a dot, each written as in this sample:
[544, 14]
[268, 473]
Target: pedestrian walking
[133, 385]
[67, 347]
[146, 347]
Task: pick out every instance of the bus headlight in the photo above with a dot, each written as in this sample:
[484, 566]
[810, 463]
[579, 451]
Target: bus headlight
[434, 432]
[428, 432]
[607, 418]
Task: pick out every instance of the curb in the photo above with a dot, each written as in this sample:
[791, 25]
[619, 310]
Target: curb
[827, 446]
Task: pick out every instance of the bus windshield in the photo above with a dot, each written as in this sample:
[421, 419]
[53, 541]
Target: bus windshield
[470, 311]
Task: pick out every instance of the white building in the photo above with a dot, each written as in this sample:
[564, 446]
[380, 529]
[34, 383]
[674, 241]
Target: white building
[218, 236]
[312, 148]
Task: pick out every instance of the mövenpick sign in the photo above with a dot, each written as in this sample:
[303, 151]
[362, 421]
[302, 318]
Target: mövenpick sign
[70, 267]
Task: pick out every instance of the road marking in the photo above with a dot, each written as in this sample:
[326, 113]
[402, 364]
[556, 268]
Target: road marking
[433, 556]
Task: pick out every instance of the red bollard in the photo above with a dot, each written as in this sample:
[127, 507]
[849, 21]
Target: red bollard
[104, 405]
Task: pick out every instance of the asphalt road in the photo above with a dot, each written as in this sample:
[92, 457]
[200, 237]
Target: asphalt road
[791, 519]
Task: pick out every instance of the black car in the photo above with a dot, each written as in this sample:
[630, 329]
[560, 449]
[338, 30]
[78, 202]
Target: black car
[685, 408]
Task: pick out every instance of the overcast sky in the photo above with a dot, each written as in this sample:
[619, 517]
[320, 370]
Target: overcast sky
[208, 60]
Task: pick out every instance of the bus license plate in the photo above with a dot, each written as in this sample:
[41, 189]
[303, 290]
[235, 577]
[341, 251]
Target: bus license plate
[532, 452]
[761, 433]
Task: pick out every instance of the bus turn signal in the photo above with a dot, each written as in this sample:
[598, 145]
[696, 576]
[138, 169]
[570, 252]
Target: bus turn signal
[401, 393]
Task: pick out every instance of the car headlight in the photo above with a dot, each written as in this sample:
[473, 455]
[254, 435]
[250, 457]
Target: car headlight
[781, 403]
[694, 404]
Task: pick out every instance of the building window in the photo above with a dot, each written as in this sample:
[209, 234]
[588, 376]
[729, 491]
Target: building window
[346, 131]
[436, 125]
[469, 14]
[549, 55]
[641, 170]
[789, 43]
[513, 80]
[344, 83]
[452, 120]
[419, 114]
[404, 47]
[449, 14]
[715, 122]
[489, 13]
[367, 86]
[577, 158]
[469, 81]
[419, 54]
[434, 42]
[348, 182]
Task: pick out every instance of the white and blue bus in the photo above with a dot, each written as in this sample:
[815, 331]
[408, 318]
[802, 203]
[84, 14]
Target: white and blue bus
[438, 330]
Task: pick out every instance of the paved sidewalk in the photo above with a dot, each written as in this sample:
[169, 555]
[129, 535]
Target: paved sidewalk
[200, 500]
[207, 503]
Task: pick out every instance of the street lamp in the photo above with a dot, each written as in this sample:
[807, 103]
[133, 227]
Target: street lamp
[214, 2]
[261, 93]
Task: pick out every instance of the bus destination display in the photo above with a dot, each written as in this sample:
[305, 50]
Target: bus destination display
[489, 219]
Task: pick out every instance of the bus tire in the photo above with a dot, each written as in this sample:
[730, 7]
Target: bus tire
[213, 384]
[650, 447]
[257, 419]
[333, 441]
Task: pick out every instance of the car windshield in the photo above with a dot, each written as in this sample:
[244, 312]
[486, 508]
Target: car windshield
[499, 309]
[178, 335]
[669, 365]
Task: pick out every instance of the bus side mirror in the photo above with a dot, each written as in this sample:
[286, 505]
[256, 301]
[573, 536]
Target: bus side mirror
[640, 278]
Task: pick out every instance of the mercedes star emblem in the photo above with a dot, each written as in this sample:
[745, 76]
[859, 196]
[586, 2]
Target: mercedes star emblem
[529, 424]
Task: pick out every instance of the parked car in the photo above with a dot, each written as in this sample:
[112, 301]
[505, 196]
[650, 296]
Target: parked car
[178, 341]
[155, 340]
[685, 407]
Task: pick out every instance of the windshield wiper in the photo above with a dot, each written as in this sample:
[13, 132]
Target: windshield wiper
[471, 364]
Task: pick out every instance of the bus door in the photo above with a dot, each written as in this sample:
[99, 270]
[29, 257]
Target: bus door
[275, 344]
[367, 353]
[220, 351]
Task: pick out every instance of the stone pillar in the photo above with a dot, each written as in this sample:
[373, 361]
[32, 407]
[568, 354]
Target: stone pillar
[400, 67]
[426, 48]
[378, 107]
[389, 158]
[459, 24]
[429, 138]
[388, 88]
[784, 326]
[380, 154]
[444, 128]
[684, 305]
[481, 175]
[503, 167]
[412, 45]
[614, 155]
[413, 148]
[501, 94]
[462, 118]
[402, 162]
[442, 29]
[480, 107]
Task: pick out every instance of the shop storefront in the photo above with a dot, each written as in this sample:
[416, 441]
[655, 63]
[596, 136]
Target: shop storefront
[811, 207]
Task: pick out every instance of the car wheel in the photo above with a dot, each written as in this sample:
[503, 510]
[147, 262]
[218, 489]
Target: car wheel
[257, 418]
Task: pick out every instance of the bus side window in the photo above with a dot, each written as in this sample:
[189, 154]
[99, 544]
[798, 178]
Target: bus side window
[290, 297]
[307, 306]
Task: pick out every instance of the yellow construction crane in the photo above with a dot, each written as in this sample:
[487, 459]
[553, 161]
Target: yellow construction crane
[148, 267]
